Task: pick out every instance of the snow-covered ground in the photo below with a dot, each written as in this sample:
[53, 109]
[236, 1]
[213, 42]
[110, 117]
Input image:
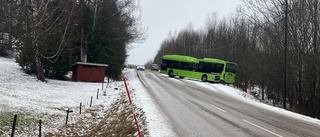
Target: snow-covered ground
[158, 124]
[248, 98]
[31, 100]
[24, 95]
[20, 91]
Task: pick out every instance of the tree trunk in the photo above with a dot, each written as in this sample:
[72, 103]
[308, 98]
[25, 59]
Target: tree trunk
[34, 44]
[38, 63]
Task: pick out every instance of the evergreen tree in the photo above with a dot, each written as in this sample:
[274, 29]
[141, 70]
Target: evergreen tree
[55, 33]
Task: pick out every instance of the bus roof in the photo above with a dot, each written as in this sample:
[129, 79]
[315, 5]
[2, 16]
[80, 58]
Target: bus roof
[181, 58]
[231, 63]
[212, 60]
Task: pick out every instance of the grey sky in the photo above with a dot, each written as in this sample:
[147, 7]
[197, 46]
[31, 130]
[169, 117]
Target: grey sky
[163, 16]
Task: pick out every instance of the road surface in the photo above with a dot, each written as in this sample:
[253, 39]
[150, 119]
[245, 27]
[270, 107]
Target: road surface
[195, 111]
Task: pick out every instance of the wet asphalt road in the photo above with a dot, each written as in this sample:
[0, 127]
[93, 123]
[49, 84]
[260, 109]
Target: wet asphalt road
[196, 111]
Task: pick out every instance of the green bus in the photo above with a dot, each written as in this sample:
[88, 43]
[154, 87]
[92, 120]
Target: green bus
[227, 70]
[186, 66]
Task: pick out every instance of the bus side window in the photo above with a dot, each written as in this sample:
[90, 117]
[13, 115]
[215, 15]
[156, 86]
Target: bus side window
[170, 64]
[207, 67]
[164, 65]
[188, 66]
[200, 66]
[184, 65]
[175, 64]
[195, 66]
[218, 68]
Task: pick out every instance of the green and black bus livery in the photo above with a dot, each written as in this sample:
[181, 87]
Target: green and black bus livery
[186, 66]
[206, 69]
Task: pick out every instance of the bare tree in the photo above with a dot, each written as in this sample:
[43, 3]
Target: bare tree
[42, 18]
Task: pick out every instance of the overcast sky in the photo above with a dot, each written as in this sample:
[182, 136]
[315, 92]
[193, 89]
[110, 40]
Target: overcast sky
[162, 16]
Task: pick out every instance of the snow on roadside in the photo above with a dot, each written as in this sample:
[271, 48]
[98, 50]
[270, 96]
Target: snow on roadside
[156, 122]
[248, 98]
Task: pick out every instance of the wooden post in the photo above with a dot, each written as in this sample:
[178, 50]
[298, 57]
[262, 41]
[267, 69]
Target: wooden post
[80, 107]
[14, 125]
[40, 128]
[67, 117]
[102, 85]
[97, 93]
[91, 102]
[68, 111]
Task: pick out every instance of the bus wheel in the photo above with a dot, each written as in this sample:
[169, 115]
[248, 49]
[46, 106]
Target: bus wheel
[170, 73]
[204, 78]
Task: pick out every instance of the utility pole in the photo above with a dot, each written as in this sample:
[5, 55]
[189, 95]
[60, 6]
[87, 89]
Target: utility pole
[285, 55]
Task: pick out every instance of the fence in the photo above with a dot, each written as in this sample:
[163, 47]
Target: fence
[68, 111]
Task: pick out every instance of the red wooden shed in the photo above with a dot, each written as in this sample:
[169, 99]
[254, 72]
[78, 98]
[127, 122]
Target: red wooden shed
[88, 72]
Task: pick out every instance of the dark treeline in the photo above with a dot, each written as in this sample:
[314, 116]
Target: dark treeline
[254, 39]
[48, 35]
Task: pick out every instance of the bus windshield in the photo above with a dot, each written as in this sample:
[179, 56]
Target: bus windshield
[230, 67]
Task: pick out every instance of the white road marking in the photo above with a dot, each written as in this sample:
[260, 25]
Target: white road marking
[261, 128]
[219, 108]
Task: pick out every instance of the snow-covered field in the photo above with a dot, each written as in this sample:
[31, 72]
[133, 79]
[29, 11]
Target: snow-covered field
[20, 91]
[32, 100]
